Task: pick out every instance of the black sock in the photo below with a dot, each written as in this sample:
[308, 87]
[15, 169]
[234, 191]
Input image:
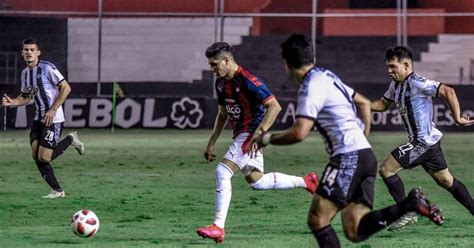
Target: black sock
[47, 173]
[395, 187]
[61, 147]
[326, 237]
[379, 219]
[460, 193]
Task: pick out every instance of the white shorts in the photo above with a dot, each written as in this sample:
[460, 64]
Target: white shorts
[236, 155]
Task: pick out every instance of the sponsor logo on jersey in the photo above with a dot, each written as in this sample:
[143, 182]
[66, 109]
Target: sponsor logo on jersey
[233, 110]
[31, 90]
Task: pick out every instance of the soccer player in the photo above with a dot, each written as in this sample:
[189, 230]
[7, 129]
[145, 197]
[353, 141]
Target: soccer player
[252, 109]
[347, 184]
[42, 82]
[412, 95]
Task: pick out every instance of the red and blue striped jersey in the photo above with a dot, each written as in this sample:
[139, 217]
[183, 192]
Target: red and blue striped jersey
[243, 97]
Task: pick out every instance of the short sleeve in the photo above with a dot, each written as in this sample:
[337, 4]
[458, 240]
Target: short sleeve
[310, 100]
[259, 89]
[350, 91]
[53, 75]
[390, 93]
[426, 86]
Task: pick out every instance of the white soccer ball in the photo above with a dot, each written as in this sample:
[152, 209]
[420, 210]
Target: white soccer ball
[84, 223]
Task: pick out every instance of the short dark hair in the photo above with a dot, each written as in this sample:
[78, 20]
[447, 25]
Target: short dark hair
[218, 48]
[31, 41]
[398, 52]
[297, 51]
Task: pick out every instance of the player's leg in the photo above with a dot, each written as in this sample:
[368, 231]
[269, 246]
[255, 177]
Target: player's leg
[46, 144]
[224, 172]
[459, 191]
[234, 160]
[359, 224]
[72, 139]
[399, 159]
[275, 180]
[437, 167]
[388, 170]
[254, 174]
[320, 214]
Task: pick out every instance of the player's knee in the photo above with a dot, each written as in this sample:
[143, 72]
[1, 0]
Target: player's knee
[444, 182]
[259, 185]
[223, 172]
[351, 235]
[316, 222]
[384, 171]
[44, 158]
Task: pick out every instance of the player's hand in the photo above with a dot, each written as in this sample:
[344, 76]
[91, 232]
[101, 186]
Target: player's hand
[464, 121]
[256, 145]
[209, 154]
[6, 100]
[48, 117]
[255, 148]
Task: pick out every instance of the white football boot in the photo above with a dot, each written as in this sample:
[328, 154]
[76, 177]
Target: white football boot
[76, 143]
[55, 194]
[404, 221]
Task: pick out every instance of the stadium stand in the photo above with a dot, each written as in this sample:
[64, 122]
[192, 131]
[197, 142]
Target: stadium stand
[131, 47]
[50, 31]
[450, 60]
[357, 60]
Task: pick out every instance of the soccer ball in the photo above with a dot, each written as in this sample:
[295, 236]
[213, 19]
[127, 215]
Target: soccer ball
[84, 223]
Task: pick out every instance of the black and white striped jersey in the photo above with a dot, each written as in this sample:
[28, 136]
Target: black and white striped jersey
[41, 83]
[413, 99]
[324, 98]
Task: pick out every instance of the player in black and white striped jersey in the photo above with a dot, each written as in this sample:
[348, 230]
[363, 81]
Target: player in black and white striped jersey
[412, 95]
[348, 181]
[42, 82]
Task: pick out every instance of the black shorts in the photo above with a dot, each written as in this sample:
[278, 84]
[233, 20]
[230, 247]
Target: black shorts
[350, 177]
[47, 137]
[415, 153]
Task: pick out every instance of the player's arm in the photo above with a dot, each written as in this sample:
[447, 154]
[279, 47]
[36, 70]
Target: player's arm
[219, 125]
[64, 90]
[451, 99]
[380, 105]
[273, 108]
[297, 133]
[20, 100]
[363, 106]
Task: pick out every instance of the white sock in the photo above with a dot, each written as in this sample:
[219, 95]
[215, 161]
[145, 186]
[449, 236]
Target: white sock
[276, 180]
[223, 193]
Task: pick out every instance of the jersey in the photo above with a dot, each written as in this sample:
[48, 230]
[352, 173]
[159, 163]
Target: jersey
[324, 98]
[243, 97]
[413, 99]
[41, 84]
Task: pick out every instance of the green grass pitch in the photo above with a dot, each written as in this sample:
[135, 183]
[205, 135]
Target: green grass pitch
[153, 188]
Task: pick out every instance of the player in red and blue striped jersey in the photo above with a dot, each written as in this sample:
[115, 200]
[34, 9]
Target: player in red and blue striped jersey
[252, 109]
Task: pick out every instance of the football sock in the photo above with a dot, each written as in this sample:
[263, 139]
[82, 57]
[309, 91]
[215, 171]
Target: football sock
[326, 237]
[379, 219]
[61, 147]
[276, 180]
[47, 173]
[223, 193]
[395, 187]
[460, 193]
